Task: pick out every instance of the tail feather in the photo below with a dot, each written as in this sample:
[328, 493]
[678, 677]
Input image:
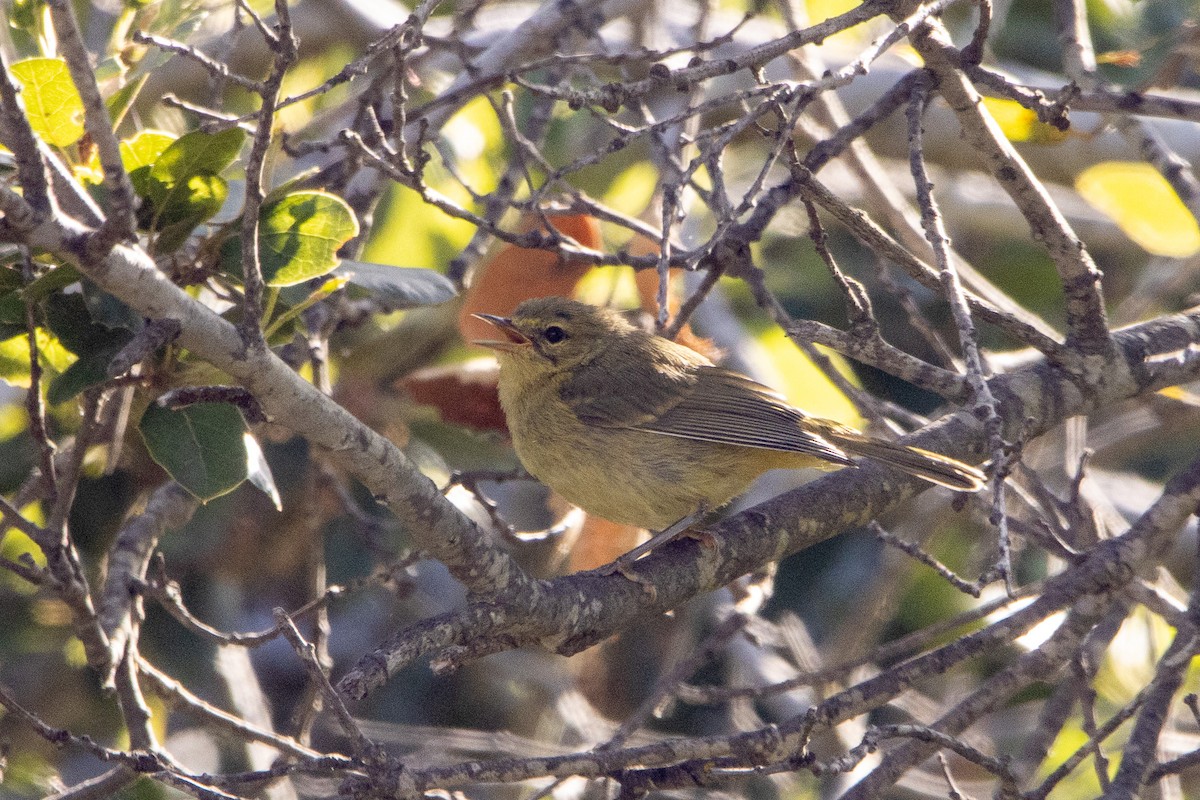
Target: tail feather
[933, 467]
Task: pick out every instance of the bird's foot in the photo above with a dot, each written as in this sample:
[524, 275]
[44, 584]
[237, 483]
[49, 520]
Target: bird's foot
[626, 569]
[624, 564]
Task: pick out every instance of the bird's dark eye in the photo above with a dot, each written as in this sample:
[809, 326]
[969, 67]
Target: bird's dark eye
[554, 334]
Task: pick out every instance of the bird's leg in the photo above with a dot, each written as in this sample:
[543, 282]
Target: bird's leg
[668, 534]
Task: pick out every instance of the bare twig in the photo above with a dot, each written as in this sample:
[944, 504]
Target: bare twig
[285, 50]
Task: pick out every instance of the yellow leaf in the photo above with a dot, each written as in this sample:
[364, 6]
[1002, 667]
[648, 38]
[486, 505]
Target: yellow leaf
[1121, 58]
[14, 357]
[89, 173]
[332, 285]
[1020, 124]
[15, 545]
[1144, 206]
[75, 654]
[158, 715]
[608, 286]
[821, 10]
[52, 102]
[475, 136]
[13, 420]
[824, 9]
[630, 192]
[1182, 395]
[410, 233]
[1082, 781]
[803, 384]
[1131, 659]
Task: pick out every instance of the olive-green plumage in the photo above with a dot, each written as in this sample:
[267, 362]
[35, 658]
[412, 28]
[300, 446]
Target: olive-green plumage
[640, 430]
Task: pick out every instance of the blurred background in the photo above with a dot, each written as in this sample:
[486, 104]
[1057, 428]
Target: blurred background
[501, 148]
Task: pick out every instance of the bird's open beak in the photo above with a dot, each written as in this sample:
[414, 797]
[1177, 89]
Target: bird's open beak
[513, 340]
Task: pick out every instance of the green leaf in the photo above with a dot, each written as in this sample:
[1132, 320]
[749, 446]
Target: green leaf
[290, 185]
[197, 153]
[23, 15]
[186, 205]
[90, 370]
[58, 278]
[72, 318]
[182, 183]
[122, 99]
[299, 298]
[398, 287]
[300, 235]
[230, 259]
[195, 199]
[14, 357]
[108, 310]
[12, 310]
[182, 21]
[109, 70]
[52, 102]
[138, 154]
[12, 315]
[68, 319]
[10, 280]
[202, 446]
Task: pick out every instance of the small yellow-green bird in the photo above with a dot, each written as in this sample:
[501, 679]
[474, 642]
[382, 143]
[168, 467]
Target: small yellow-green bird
[640, 430]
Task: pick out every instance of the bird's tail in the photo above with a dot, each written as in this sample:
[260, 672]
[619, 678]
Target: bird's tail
[933, 467]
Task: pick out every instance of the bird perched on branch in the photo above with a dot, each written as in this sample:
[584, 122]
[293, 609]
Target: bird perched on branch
[640, 430]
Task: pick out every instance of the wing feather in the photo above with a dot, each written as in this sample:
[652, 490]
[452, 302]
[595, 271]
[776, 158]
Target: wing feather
[727, 408]
[678, 397]
[637, 389]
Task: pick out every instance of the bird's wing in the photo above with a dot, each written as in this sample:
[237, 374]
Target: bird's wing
[710, 404]
[634, 392]
[729, 408]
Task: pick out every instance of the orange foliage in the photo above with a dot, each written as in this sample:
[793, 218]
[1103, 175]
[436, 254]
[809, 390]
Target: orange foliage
[601, 542]
[515, 273]
[464, 394]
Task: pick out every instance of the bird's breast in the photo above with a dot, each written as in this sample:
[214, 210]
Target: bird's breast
[625, 475]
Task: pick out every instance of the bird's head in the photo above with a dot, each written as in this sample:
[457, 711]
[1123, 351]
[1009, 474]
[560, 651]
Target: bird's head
[549, 334]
